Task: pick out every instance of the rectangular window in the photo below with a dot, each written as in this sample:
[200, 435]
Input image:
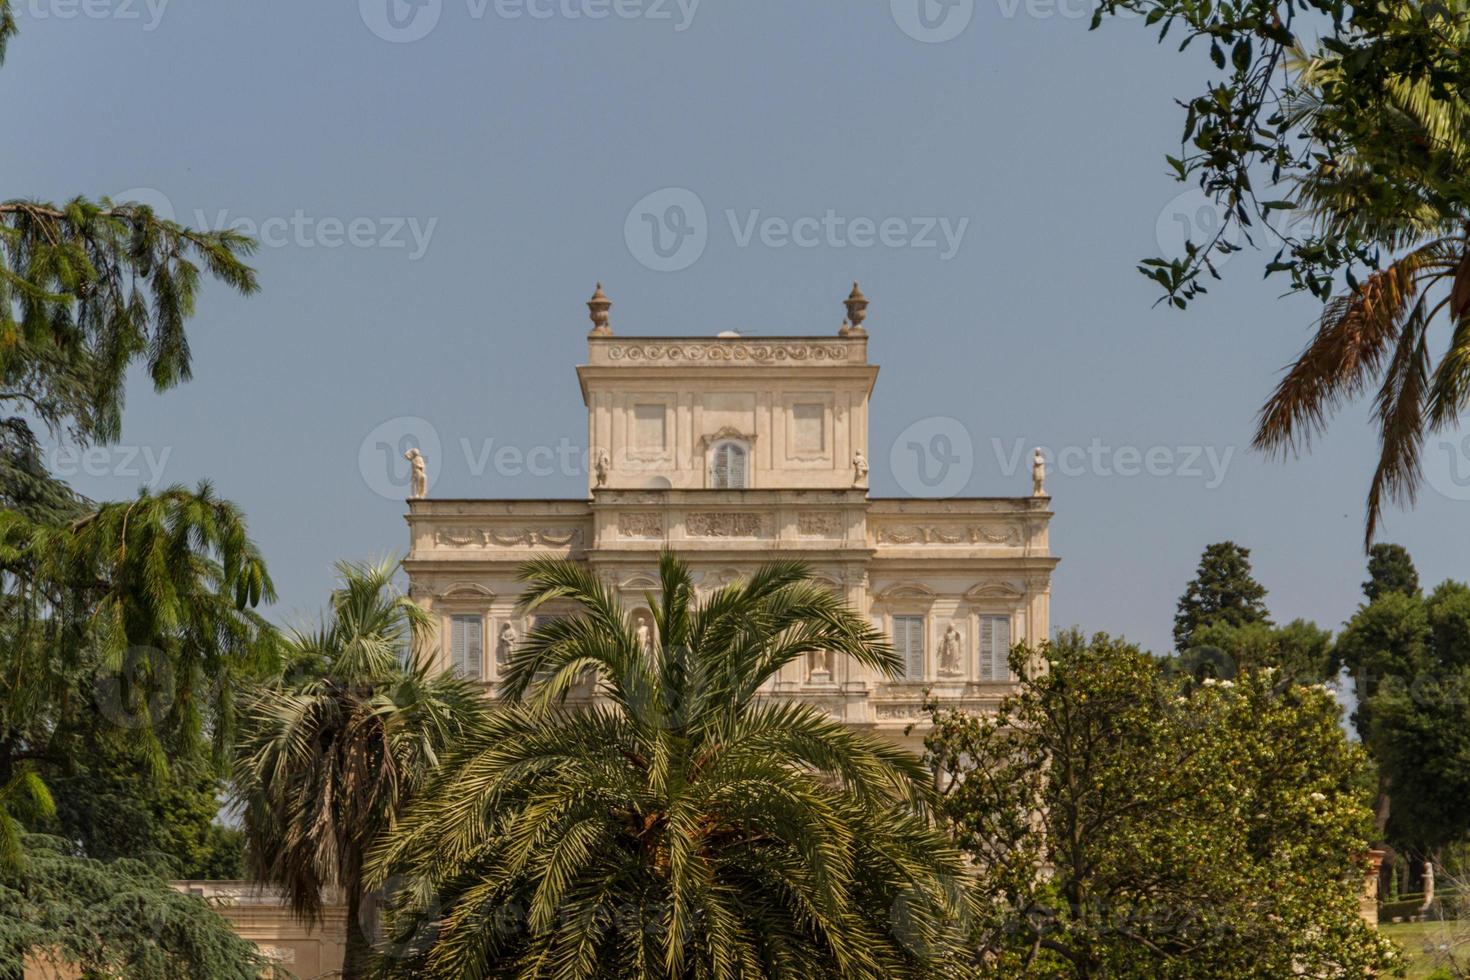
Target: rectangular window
[808, 428]
[466, 645]
[649, 428]
[995, 648]
[908, 640]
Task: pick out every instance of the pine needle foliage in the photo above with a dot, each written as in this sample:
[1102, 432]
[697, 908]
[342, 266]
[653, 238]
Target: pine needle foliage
[682, 824]
[113, 919]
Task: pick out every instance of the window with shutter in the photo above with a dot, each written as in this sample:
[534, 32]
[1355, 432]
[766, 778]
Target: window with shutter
[908, 640]
[467, 646]
[727, 466]
[995, 648]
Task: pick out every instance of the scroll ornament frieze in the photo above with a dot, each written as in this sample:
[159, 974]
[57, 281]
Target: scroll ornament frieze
[755, 353]
[508, 537]
[723, 525]
[949, 534]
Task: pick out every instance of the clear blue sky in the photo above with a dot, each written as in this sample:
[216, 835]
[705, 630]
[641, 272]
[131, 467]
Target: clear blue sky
[517, 146]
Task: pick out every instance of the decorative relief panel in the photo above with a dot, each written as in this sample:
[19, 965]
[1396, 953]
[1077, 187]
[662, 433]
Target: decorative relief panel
[949, 534]
[723, 525]
[641, 524]
[755, 353]
[819, 525]
[508, 537]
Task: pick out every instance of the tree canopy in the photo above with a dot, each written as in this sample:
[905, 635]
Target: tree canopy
[689, 827]
[1188, 830]
[1222, 591]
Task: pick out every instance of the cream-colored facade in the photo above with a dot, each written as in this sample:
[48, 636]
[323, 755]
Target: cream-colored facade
[730, 451]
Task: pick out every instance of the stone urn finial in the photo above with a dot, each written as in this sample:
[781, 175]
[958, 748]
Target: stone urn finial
[598, 306]
[857, 312]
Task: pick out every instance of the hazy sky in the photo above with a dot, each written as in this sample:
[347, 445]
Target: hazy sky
[440, 186]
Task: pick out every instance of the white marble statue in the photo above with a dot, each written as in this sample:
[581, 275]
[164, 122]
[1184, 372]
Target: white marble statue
[419, 485]
[1038, 475]
[601, 467]
[644, 636]
[507, 642]
[950, 653]
[859, 468]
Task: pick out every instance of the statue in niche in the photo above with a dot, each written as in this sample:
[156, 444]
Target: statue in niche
[419, 482]
[1038, 475]
[859, 468]
[950, 652]
[601, 467]
[644, 636]
[507, 643]
[821, 663]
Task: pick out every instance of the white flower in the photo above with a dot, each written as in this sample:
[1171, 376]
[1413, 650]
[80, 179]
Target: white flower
[1319, 797]
[1227, 683]
[1209, 682]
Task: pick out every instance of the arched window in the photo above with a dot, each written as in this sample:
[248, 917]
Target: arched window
[728, 466]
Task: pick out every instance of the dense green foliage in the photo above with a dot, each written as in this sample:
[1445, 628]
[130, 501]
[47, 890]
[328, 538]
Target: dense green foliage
[113, 919]
[1222, 591]
[690, 828]
[111, 804]
[1301, 650]
[1187, 830]
[1409, 658]
[1390, 569]
[331, 751]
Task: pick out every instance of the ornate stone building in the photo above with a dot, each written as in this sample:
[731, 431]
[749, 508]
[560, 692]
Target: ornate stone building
[731, 451]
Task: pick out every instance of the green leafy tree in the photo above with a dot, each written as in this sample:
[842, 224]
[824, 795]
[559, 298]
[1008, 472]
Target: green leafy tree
[1122, 824]
[111, 804]
[1409, 658]
[132, 618]
[113, 919]
[1222, 591]
[1301, 650]
[331, 752]
[1390, 569]
[135, 623]
[687, 826]
[1338, 134]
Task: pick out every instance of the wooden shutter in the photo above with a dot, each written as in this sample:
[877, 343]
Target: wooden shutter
[727, 468]
[467, 646]
[995, 648]
[737, 467]
[908, 639]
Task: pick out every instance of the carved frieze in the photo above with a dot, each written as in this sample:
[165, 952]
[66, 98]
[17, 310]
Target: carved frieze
[819, 524]
[516, 537]
[719, 524]
[507, 537]
[641, 524]
[754, 352]
[907, 534]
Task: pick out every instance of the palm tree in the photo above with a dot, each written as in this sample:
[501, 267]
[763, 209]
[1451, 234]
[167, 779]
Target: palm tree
[330, 753]
[1404, 193]
[680, 825]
